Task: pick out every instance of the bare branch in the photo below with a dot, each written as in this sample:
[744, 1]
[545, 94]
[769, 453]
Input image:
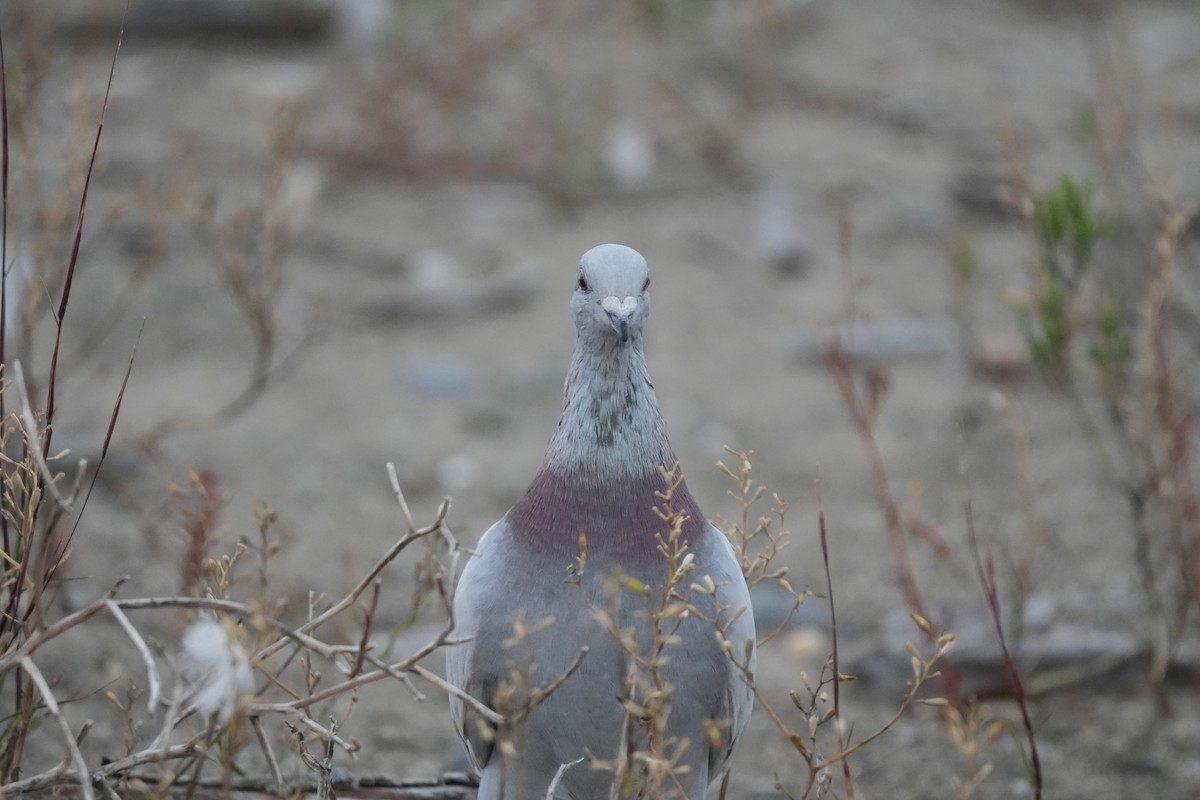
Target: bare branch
[44, 635]
[395, 482]
[387, 558]
[265, 743]
[562, 769]
[36, 446]
[85, 784]
[143, 650]
[440, 682]
[350, 747]
[109, 792]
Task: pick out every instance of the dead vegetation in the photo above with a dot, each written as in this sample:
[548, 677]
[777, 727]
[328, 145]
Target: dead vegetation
[247, 692]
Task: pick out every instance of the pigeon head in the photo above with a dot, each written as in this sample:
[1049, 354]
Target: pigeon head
[612, 298]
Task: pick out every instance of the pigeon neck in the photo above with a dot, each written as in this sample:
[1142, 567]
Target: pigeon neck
[611, 429]
[601, 475]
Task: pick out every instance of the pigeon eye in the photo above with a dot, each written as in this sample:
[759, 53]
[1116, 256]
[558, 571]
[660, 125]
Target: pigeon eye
[646, 285]
[583, 284]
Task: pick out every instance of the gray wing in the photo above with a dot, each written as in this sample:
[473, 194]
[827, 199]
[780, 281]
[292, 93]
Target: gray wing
[466, 666]
[738, 695]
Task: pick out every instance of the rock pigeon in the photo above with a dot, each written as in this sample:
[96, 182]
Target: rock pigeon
[602, 470]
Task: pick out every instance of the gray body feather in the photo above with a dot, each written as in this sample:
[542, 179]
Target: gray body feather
[600, 477]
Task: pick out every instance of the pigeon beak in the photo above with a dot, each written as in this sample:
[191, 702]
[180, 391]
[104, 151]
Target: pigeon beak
[619, 313]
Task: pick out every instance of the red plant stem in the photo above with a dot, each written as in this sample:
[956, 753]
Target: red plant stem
[108, 435]
[837, 704]
[58, 321]
[3, 267]
[837, 673]
[986, 572]
[1176, 427]
[863, 419]
[863, 426]
[74, 259]
[14, 588]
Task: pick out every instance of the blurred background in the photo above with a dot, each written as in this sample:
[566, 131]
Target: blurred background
[347, 233]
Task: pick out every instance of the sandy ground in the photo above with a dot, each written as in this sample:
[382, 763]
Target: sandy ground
[448, 172]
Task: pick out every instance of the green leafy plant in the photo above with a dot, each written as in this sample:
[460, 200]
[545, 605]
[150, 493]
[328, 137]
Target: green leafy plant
[1104, 339]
